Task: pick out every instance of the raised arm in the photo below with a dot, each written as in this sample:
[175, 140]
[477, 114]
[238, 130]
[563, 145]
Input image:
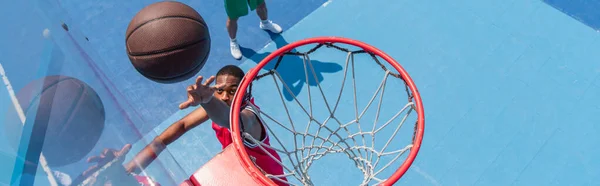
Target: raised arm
[217, 109]
[172, 133]
[218, 112]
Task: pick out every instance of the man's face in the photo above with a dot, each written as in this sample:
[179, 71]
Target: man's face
[231, 84]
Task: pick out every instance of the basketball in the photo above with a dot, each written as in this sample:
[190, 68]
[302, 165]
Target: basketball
[70, 112]
[168, 41]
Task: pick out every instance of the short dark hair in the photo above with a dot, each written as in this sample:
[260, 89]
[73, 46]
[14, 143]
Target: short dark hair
[232, 70]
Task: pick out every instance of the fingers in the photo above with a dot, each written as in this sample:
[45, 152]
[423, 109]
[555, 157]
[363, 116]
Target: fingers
[90, 170]
[101, 157]
[200, 84]
[185, 104]
[190, 99]
[209, 81]
[206, 83]
[106, 151]
[124, 150]
[199, 81]
[108, 155]
[94, 159]
[197, 91]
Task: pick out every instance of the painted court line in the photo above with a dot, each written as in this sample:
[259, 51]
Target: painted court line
[19, 110]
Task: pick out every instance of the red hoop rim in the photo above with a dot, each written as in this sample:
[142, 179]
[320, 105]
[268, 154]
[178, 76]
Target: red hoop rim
[237, 100]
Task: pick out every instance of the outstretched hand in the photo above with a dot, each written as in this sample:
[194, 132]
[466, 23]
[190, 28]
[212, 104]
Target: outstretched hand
[200, 92]
[104, 171]
[107, 156]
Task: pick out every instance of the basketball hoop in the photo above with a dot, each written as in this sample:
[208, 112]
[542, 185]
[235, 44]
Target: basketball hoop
[362, 161]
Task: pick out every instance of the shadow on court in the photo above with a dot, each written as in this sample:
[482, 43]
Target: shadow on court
[292, 68]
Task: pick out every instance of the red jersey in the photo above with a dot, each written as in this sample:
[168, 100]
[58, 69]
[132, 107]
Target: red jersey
[262, 159]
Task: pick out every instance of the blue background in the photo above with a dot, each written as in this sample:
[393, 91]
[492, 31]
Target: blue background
[509, 86]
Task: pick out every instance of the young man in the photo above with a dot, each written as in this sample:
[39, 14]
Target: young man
[238, 8]
[215, 102]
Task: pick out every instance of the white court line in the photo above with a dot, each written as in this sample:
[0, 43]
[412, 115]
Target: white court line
[326, 3]
[425, 175]
[11, 92]
[15, 102]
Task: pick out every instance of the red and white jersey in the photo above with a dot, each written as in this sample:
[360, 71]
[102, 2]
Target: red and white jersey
[258, 155]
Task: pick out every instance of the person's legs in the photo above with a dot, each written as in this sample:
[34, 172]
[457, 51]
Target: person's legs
[235, 9]
[232, 28]
[261, 11]
[233, 45]
[239, 8]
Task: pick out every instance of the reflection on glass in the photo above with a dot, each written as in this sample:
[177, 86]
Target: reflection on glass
[61, 121]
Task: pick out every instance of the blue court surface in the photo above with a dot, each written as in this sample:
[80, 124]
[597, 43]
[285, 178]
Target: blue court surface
[510, 87]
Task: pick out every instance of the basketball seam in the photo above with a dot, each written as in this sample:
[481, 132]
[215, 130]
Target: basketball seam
[73, 108]
[182, 74]
[38, 96]
[155, 19]
[170, 49]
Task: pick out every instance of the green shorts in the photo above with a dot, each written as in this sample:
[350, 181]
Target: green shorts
[239, 8]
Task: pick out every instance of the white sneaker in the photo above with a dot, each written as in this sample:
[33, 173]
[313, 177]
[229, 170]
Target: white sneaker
[235, 50]
[270, 26]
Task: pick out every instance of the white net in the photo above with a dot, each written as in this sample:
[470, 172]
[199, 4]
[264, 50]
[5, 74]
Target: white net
[355, 114]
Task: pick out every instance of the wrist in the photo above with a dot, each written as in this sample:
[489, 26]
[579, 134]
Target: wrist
[157, 145]
[207, 100]
[131, 167]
